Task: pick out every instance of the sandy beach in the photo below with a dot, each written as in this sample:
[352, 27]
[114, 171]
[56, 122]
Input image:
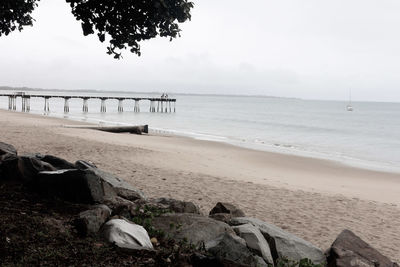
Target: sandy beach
[312, 198]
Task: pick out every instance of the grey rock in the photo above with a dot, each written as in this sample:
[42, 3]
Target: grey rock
[121, 207]
[261, 262]
[7, 149]
[90, 221]
[23, 168]
[71, 185]
[232, 251]
[116, 202]
[194, 228]
[126, 234]
[89, 185]
[9, 167]
[223, 217]
[178, 205]
[84, 165]
[30, 165]
[350, 250]
[223, 207]
[56, 162]
[131, 194]
[255, 240]
[121, 188]
[284, 244]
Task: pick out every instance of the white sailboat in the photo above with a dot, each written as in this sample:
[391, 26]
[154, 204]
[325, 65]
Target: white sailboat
[349, 107]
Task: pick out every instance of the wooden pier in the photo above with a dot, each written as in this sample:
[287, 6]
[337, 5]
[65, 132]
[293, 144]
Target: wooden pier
[160, 104]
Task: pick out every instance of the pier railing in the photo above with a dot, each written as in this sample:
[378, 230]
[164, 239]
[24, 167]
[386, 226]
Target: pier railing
[157, 104]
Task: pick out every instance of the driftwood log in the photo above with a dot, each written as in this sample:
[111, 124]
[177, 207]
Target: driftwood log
[140, 129]
[124, 129]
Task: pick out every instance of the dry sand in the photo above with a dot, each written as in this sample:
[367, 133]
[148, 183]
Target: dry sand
[314, 199]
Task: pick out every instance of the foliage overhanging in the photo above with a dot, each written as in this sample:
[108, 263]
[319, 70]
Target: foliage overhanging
[124, 22]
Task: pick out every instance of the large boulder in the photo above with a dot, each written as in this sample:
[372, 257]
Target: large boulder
[25, 168]
[126, 234]
[8, 162]
[255, 240]
[231, 250]
[56, 162]
[223, 217]
[84, 165]
[72, 185]
[9, 167]
[7, 149]
[283, 244]
[194, 228]
[89, 185]
[223, 207]
[121, 188]
[350, 250]
[129, 193]
[30, 165]
[90, 221]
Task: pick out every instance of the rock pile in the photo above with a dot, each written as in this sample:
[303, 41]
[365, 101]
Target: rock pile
[123, 215]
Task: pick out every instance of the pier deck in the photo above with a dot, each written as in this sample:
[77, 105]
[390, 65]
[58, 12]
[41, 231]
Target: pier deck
[157, 104]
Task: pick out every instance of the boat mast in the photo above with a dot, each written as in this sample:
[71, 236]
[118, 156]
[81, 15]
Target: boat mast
[350, 97]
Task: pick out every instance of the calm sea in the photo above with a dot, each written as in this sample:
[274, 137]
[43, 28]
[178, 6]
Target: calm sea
[367, 137]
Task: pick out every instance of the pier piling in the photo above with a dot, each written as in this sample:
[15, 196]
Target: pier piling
[66, 104]
[120, 105]
[137, 107]
[152, 106]
[85, 106]
[22, 104]
[46, 104]
[25, 104]
[10, 102]
[28, 103]
[103, 105]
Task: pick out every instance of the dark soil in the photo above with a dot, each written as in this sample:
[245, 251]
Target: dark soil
[36, 231]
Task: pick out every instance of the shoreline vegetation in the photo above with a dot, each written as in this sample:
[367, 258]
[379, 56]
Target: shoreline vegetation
[314, 199]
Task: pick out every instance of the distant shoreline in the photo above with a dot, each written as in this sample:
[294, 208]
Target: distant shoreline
[10, 88]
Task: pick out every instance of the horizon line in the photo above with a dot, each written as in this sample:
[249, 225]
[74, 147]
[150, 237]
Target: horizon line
[5, 87]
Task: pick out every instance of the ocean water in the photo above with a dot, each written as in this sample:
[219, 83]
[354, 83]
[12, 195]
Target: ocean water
[368, 137]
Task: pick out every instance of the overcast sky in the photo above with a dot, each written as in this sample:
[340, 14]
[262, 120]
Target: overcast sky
[309, 49]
